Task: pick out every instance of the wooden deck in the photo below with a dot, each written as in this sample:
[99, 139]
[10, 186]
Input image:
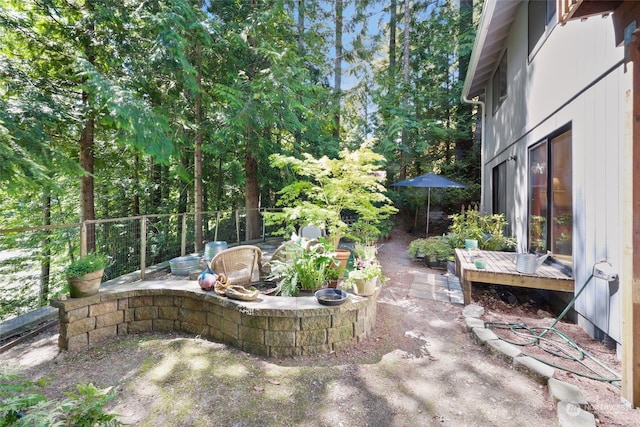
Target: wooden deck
[501, 270]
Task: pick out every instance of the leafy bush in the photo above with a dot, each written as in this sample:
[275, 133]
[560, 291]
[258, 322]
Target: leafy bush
[87, 264]
[304, 264]
[22, 403]
[326, 189]
[436, 247]
[488, 230]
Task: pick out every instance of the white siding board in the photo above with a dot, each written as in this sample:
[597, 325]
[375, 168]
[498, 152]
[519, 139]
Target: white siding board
[572, 57]
[599, 312]
[566, 82]
[584, 129]
[615, 114]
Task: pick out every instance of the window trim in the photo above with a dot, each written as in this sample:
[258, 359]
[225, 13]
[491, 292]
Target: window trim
[550, 23]
[548, 142]
[500, 91]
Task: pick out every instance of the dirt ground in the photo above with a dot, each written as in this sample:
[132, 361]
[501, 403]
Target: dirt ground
[419, 367]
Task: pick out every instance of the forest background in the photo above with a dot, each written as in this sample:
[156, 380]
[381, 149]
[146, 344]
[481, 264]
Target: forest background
[122, 108]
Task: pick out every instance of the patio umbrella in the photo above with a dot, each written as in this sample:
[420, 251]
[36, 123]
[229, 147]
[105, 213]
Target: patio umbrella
[429, 180]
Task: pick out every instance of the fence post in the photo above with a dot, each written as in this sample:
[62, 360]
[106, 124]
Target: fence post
[264, 225]
[143, 245]
[183, 244]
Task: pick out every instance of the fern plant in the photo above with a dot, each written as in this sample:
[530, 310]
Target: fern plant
[22, 402]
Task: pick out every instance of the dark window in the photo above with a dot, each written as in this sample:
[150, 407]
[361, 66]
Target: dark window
[499, 196]
[499, 199]
[499, 83]
[551, 196]
[541, 19]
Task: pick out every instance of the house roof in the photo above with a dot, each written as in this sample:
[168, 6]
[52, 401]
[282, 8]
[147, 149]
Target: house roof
[496, 20]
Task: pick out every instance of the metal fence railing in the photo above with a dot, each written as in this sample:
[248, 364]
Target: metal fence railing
[33, 259]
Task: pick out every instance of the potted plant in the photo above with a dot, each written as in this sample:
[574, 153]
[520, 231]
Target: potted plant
[333, 276]
[364, 277]
[435, 250]
[84, 274]
[488, 230]
[325, 189]
[303, 266]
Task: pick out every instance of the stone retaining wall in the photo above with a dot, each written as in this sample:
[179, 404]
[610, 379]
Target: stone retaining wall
[270, 326]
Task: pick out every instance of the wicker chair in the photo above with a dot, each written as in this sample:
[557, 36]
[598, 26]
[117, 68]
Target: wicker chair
[241, 264]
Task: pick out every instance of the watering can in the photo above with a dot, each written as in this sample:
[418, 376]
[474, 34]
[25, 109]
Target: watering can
[529, 263]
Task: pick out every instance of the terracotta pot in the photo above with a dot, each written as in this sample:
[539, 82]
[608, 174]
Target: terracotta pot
[85, 286]
[342, 255]
[333, 284]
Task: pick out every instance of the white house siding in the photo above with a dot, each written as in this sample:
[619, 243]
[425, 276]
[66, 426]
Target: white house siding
[576, 76]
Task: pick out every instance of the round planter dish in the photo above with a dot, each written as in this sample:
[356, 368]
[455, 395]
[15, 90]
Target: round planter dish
[330, 296]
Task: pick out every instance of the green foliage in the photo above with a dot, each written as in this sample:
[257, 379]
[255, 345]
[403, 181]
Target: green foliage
[365, 271]
[366, 252]
[436, 247]
[304, 265]
[328, 188]
[367, 234]
[488, 230]
[85, 408]
[365, 266]
[87, 264]
[18, 394]
[423, 124]
[23, 403]
[136, 69]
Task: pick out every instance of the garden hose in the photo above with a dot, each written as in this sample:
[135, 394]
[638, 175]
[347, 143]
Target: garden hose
[566, 349]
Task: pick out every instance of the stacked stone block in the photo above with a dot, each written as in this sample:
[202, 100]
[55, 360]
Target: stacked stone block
[266, 328]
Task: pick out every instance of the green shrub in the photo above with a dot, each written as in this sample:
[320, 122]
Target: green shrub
[324, 190]
[22, 402]
[488, 230]
[87, 264]
[304, 265]
[436, 247]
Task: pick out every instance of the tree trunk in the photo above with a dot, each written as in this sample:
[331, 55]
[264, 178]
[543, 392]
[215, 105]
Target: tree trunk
[219, 184]
[155, 198]
[393, 8]
[297, 134]
[252, 192]
[338, 69]
[183, 199]
[197, 158]
[405, 43]
[87, 204]
[136, 183]
[405, 80]
[45, 266]
[301, 9]
[463, 145]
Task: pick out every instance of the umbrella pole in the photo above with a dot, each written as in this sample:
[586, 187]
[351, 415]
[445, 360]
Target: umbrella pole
[428, 209]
